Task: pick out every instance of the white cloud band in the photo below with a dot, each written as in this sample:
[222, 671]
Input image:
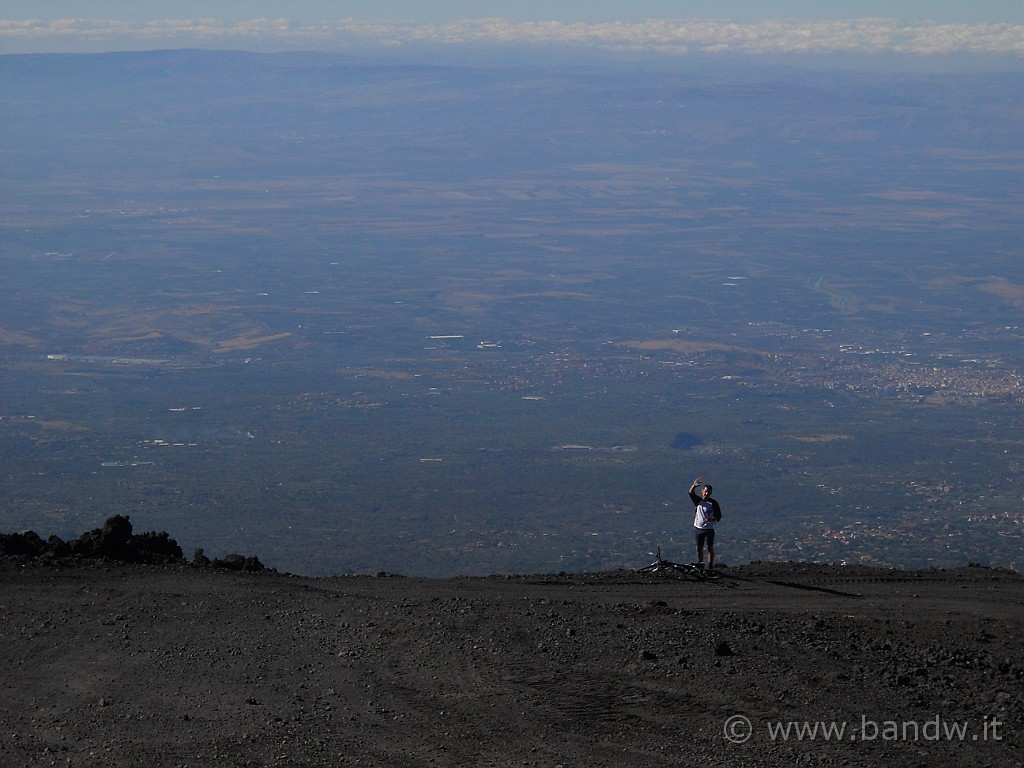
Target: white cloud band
[656, 35]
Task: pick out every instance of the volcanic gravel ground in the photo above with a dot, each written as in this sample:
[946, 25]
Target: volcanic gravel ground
[116, 665]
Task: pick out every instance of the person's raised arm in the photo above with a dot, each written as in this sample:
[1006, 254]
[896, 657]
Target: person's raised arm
[693, 496]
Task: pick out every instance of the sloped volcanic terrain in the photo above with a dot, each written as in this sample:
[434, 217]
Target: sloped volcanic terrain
[107, 664]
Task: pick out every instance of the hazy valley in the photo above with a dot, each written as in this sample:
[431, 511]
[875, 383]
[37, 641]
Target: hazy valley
[355, 316]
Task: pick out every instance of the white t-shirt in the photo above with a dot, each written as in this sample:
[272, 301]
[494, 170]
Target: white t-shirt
[705, 515]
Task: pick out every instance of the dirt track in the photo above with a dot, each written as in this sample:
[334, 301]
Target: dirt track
[104, 665]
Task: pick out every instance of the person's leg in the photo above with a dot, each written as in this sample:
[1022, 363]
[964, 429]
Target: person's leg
[700, 536]
[711, 548]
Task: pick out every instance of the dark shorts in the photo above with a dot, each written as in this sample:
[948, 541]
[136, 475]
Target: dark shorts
[704, 535]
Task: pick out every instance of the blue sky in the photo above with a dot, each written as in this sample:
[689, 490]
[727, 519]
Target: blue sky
[683, 27]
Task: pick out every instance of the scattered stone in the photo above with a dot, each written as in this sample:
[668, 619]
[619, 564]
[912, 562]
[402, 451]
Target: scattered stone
[722, 648]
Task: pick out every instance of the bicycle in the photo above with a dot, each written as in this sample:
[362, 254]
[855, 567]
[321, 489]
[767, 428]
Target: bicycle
[690, 571]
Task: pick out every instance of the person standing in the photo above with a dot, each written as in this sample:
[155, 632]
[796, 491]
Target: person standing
[707, 515]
